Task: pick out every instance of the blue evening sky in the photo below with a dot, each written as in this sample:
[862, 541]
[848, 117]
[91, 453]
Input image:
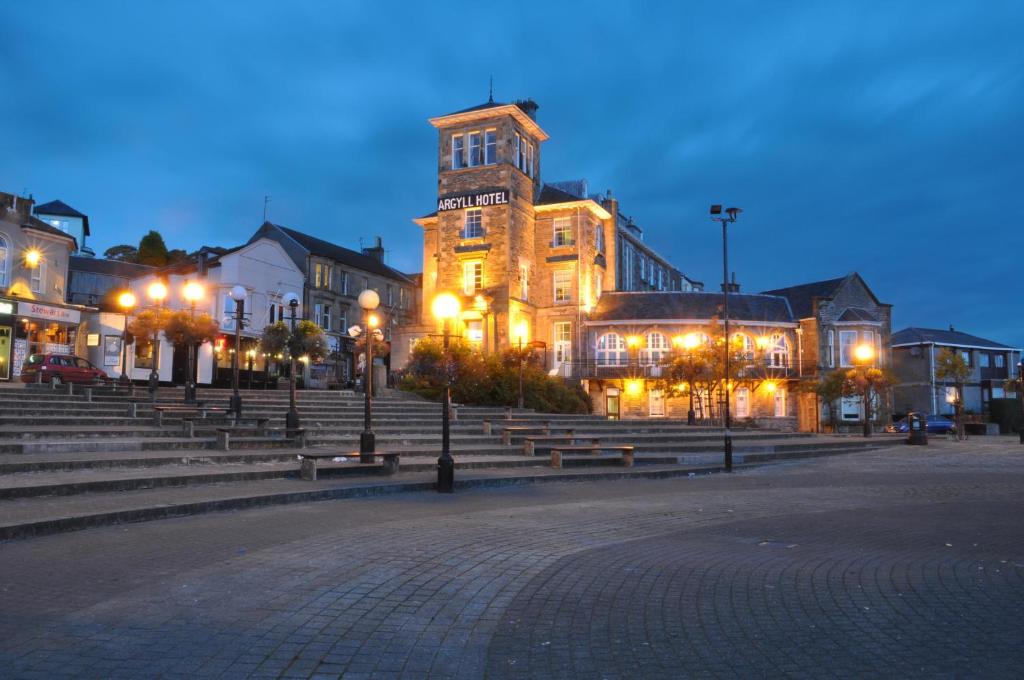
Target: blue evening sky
[881, 137]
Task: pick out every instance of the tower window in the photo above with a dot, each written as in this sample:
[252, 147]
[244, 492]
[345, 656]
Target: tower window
[473, 226]
[475, 149]
[458, 152]
[490, 147]
[472, 276]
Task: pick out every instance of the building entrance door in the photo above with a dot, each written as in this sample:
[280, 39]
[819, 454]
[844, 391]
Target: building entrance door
[612, 403]
[656, 403]
[5, 352]
[563, 348]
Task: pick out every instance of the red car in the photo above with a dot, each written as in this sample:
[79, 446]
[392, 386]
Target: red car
[60, 368]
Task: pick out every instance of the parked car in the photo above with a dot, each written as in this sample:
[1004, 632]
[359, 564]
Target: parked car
[60, 368]
[933, 425]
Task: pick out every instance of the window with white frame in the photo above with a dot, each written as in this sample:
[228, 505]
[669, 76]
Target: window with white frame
[778, 351]
[490, 147]
[965, 354]
[326, 318]
[1000, 361]
[562, 232]
[318, 310]
[655, 349]
[322, 275]
[343, 321]
[473, 225]
[475, 149]
[5, 252]
[780, 402]
[847, 341]
[849, 408]
[611, 350]
[343, 282]
[458, 152]
[831, 349]
[475, 331]
[743, 344]
[563, 286]
[472, 276]
[391, 295]
[524, 281]
[38, 277]
[742, 396]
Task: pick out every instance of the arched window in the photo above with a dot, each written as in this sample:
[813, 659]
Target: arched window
[778, 351]
[743, 344]
[655, 350]
[611, 350]
[5, 252]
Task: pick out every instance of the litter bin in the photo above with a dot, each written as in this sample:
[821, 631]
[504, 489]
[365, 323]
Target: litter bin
[917, 425]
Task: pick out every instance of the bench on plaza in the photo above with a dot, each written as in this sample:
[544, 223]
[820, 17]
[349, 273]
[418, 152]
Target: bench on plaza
[562, 454]
[224, 436]
[188, 425]
[308, 462]
[534, 444]
[199, 409]
[490, 424]
[508, 430]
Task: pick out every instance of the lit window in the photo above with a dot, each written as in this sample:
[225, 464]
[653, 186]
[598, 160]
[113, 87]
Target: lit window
[473, 227]
[563, 286]
[655, 350]
[847, 341]
[611, 350]
[472, 276]
[562, 232]
[475, 149]
[744, 345]
[780, 402]
[475, 331]
[778, 351]
[490, 147]
[458, 152]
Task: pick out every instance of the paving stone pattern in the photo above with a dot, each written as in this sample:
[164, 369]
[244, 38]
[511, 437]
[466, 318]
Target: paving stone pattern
[896, 563]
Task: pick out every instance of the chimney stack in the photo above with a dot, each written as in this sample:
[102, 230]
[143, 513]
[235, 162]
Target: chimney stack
[733, 286]
[376, 252]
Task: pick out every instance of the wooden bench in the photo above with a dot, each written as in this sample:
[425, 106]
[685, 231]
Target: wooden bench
[188, 425]
[200, 409]
[307, 462]
[508, 431]
[224, 437]
[491, 423]
[558, 453]
[530, 444]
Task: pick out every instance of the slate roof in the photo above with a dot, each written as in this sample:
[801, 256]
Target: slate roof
[915, 336]
[623, 306]
[801, 298]
[62, 208]
[550, 194]
[857, 314]
[39, 225]
[125, 270]
[487, 105]
[351, 258]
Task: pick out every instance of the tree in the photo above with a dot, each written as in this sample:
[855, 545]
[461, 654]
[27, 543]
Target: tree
[870, 383]
[177, 256]
[182, 329]
[152, 250]
[951, 367]
[308, 340]
[148, 322]
[274, 340]
[122, 253]
[829, 390]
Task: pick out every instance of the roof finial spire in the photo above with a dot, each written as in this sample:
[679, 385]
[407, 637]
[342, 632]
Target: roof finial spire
[490, 91]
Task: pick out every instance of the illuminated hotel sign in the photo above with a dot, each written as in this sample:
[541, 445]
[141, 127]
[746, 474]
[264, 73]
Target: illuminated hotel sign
[477, 200]
[49, 313]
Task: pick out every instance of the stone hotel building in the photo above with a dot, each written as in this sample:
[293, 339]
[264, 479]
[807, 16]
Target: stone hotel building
[529, 259]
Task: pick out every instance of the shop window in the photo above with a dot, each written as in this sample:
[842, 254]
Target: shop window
[490, 147]
[143, 353]
[563, 286]
[473, 226]
[458, 152]
[475, 149]
[611, 350]
[475, 332]
[562, 234]
[472, 276]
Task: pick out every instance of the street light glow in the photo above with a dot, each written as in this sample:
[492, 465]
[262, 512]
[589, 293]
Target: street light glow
[863, 353]
[445, 306]
[126, 300]
[157, 291]
[33, 257]
[373, 321]
[633, 341]
[193, 291]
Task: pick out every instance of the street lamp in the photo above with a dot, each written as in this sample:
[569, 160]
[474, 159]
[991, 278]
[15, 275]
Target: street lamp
[730, 216]
[522, 331]
[863, 355]
[291, 419]
[369, 300]
[446, 307]
[126, 301]
[157, 292]
[193, 292]
[237, 294]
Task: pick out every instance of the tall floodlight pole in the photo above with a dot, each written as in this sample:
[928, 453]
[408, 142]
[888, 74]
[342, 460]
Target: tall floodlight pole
[730, 216]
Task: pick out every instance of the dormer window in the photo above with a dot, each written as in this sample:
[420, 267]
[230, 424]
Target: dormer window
[458, 152]
[473, 227]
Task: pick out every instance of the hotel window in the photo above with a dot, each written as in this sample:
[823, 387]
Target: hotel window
[343, 282]
[490, 147]
[563, 286]
[38, 276]
[473, 227]
[831, 349]
[322, 275]
[4, 256]
[517, 149]
[326, 318]
[524, 282]
[562, 232]
[472, 276]
[458, 152]
[611, 350]
[475, 149]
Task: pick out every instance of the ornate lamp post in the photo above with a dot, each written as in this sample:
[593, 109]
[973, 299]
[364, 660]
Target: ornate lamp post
[446, 307]
[369, 301]
[291, 419]
[157, 293]
[863, 357]
[193, 292]
[126, 301]
[730, 216]
[237, 294]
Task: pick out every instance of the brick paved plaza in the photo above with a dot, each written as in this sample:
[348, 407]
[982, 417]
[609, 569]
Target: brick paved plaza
[905, 562]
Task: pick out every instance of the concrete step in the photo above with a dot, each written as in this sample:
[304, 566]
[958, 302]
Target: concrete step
[104, 444]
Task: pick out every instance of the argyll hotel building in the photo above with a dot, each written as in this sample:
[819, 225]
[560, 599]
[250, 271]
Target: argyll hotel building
[528, 260]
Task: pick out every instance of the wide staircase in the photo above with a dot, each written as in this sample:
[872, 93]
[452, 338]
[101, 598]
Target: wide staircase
[72, 458]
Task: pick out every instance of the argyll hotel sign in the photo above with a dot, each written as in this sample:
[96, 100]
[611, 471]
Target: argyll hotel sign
[481, 199]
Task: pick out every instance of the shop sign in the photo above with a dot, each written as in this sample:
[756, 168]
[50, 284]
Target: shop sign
[480, 199]
[6, 307]
[49, 313]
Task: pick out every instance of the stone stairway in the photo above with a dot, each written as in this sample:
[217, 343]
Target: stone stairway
[63, 455]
